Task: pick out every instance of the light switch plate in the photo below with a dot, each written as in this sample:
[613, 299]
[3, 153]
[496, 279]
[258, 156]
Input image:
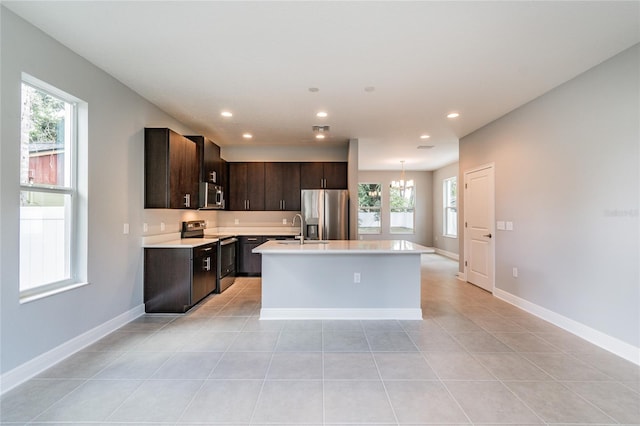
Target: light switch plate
[509, 226]
[500, 225]
[145, 227]
[125, 229]
[284, 221]
[162, 226]
[236, 221]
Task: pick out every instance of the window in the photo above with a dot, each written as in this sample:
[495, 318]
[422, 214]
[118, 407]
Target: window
[369, 201]
[402, 201]
[48, 189]
[450, 215]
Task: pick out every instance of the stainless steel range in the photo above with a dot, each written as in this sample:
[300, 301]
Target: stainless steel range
[225, 253]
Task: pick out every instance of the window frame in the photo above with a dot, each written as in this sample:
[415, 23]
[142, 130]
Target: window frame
[378, 208]
[410, 183]
[75, 111]
[447, 207]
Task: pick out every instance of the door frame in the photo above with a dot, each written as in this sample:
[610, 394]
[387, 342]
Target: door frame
[492, 204]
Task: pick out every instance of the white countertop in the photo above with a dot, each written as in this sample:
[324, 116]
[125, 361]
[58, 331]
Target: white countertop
[180, 243]
[343, 247]
[173, 240]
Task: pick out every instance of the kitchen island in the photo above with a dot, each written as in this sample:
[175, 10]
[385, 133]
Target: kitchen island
[341, 279]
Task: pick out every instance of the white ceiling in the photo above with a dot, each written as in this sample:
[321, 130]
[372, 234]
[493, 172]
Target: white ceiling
[423, 59]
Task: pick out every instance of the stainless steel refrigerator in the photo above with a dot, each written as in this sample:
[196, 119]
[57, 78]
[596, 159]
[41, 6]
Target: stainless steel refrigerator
[325, 213]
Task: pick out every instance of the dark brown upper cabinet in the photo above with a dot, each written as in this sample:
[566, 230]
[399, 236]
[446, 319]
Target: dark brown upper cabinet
[282, 186]
[246, 186]
[323, 175]
[209, 160]
[171, 170]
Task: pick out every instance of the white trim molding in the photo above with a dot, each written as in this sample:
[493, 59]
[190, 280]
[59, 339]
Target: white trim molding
[340, 314]
[462, 276]
[598, 338]
[29, 369]
[448, 254]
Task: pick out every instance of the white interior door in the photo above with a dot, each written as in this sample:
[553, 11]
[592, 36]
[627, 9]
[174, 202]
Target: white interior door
[479, 233]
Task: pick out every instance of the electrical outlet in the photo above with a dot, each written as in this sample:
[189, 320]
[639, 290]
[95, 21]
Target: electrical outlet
[284, 221]
[162, 226]
[125, 229]
[356, 277]
[145, 227]
[515, 272]
[236, 221]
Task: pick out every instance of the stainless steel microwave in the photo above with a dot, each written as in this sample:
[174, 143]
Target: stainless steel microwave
[211, 196]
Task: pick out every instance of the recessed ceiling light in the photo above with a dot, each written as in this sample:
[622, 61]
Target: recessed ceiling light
[369, 89]
[322, 114]
[226, 114]
[424, 136]
[425, 146]
[453, 115]
[314, 89]
[247, 135]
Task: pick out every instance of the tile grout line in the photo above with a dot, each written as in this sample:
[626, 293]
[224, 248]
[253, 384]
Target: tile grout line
[204, 381]
[422, 354]
[264, 380]
[384, 386]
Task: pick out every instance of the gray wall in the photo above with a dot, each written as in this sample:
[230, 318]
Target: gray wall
[424, 204]
[567, 175]
[117, 117]
[441, 242]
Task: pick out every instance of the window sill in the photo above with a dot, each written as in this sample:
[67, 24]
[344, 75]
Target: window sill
[453, 237]
[51, 292]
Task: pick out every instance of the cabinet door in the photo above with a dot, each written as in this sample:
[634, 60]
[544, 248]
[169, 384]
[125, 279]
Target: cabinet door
[282, 186]
[335, 175]
[204, 272]
[156, 169]
[208, 159]
[191, 183]
[311, 175]
[237, 194]
[255, 186]
[224, 176]
[273, 186]
[249, 263]
[167, 280]
[183, 172]
[291, 187]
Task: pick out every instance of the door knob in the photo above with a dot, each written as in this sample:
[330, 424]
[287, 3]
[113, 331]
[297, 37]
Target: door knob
[488, 235]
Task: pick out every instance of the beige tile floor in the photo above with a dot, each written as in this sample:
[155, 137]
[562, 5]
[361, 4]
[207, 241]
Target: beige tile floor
[472, 360]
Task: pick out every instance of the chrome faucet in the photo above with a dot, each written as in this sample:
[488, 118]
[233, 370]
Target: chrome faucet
[301, 236]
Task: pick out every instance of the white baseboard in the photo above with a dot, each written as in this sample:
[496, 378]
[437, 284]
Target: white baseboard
[611, 344]
[450, 255]
[341, 314]
[31, 368]
[462, 276]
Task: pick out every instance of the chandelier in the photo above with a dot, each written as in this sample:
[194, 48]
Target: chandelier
[403, 183]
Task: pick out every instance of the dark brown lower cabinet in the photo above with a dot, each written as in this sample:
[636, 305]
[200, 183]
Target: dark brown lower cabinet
[175, 279]
[249, 263]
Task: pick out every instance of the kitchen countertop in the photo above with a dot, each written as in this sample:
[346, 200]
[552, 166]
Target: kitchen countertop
[173, 240]
[343, 247]
[181, 243]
